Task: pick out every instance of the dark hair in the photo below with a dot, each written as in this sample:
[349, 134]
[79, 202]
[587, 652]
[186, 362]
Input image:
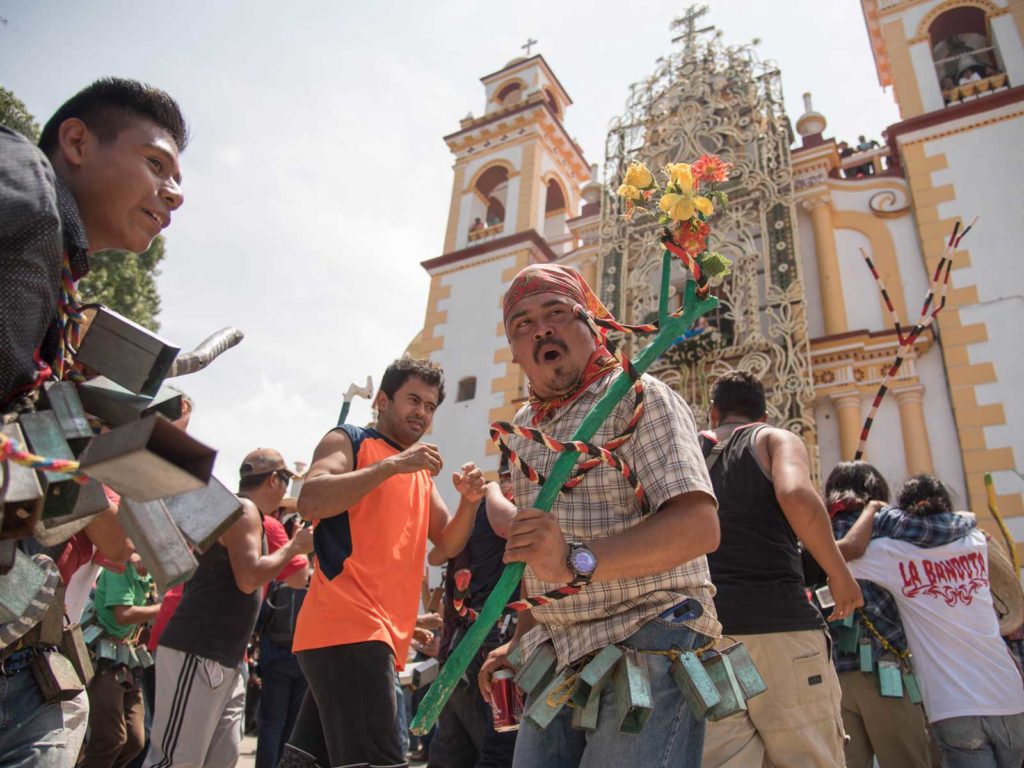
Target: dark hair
[741, 393]
[107, 105]
[924, 495]
[399, 372]
[855, 483]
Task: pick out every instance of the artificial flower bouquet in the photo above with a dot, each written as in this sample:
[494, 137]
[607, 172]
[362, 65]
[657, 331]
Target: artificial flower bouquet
[682, 208]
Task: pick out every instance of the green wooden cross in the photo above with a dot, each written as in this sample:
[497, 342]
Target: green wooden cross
[671, 328]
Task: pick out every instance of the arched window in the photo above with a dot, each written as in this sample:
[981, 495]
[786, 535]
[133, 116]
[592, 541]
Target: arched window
[510, 94]
[492, 190]
[555, 201]
[466, 389]
[962, 49]
[553, 103]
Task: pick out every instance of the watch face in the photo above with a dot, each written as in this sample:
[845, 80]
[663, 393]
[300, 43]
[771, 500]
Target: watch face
[583, 561]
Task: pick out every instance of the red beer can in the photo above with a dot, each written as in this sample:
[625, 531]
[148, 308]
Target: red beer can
[506, 701]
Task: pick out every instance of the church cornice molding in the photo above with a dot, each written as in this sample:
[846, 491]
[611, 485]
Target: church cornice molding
[530, 236]
[515, 67]
[860, 360]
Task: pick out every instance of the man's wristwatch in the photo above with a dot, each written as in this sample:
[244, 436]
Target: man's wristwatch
[582, 562]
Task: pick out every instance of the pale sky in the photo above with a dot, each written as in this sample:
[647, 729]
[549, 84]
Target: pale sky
[317, 179]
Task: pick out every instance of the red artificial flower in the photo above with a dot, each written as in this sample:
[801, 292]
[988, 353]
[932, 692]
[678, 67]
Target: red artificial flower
[692, 236]
[711, 168]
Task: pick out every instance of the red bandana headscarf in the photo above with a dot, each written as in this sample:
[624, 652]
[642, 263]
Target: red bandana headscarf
[555, 278]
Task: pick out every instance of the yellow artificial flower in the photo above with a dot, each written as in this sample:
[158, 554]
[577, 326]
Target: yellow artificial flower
[638, 175]
[678, 207]
[679, 173]
[630, 192]
[703, 205]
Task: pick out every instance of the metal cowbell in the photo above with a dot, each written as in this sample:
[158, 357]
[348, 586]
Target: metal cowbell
[164, 551]
[44, 438]
[634, 701]
[698, 690]
[61, 397]
[125, 352]
[747, 674]
[538, 669]
[204, 514]
[114, 405]
[19, 587]
[148, 460]
[91, 501]
[595, 675]
[23, 496]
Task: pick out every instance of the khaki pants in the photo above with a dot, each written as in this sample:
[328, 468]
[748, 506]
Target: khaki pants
[793, 724]
[894, 730]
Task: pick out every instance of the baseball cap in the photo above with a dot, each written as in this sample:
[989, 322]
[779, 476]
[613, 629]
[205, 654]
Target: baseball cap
[262, 461]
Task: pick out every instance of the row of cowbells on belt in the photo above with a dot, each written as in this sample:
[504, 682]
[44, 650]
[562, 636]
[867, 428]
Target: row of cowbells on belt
[170, 502]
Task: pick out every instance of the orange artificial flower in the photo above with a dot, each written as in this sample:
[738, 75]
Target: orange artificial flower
[711, 168]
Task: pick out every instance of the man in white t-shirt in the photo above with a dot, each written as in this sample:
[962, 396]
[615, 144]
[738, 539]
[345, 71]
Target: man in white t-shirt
[973, 694]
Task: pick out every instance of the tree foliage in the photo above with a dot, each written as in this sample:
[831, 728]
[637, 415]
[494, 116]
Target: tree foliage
[126, 283]
[14, 114]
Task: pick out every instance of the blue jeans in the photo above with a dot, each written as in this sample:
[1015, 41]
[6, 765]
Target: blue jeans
[32, 732]
[284, 687]
[991, 741]
[672, 736]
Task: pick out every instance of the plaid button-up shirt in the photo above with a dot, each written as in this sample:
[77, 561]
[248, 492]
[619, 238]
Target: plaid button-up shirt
[666, 457]
[921, 530]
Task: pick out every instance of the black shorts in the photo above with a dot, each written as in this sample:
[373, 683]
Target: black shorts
[354, 690]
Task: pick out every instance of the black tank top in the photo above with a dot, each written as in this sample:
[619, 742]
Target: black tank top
[215, 618]
[756, 569]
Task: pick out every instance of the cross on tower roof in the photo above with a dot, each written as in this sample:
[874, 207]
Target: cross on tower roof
[530, 42]
[689, 20]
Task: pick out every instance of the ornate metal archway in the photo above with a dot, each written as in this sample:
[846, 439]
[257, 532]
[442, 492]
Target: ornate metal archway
[708, 97]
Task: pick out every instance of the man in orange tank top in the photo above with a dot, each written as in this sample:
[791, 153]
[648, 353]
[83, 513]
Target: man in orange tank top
[371, 495]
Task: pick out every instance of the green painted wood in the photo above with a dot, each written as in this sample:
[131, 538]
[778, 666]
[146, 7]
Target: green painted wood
[671, 329]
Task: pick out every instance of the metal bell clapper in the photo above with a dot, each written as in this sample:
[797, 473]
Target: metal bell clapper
[23, 497]
[19, 586]
[114, 405]
[203, 515]
[91, 501]
[538, 670]
[546, 705]
[595, 675]
[890, 681]
[44, 438]
[699, 691]
[634, 701]
[164, 551]
[148, 460]
[750, 680]
[720, 671]
[61, 397]
[125, 352]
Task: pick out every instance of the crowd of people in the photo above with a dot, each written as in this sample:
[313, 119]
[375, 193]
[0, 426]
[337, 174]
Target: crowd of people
[873, 625]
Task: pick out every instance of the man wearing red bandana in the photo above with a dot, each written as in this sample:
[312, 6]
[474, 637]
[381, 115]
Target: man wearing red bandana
[636, 564]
